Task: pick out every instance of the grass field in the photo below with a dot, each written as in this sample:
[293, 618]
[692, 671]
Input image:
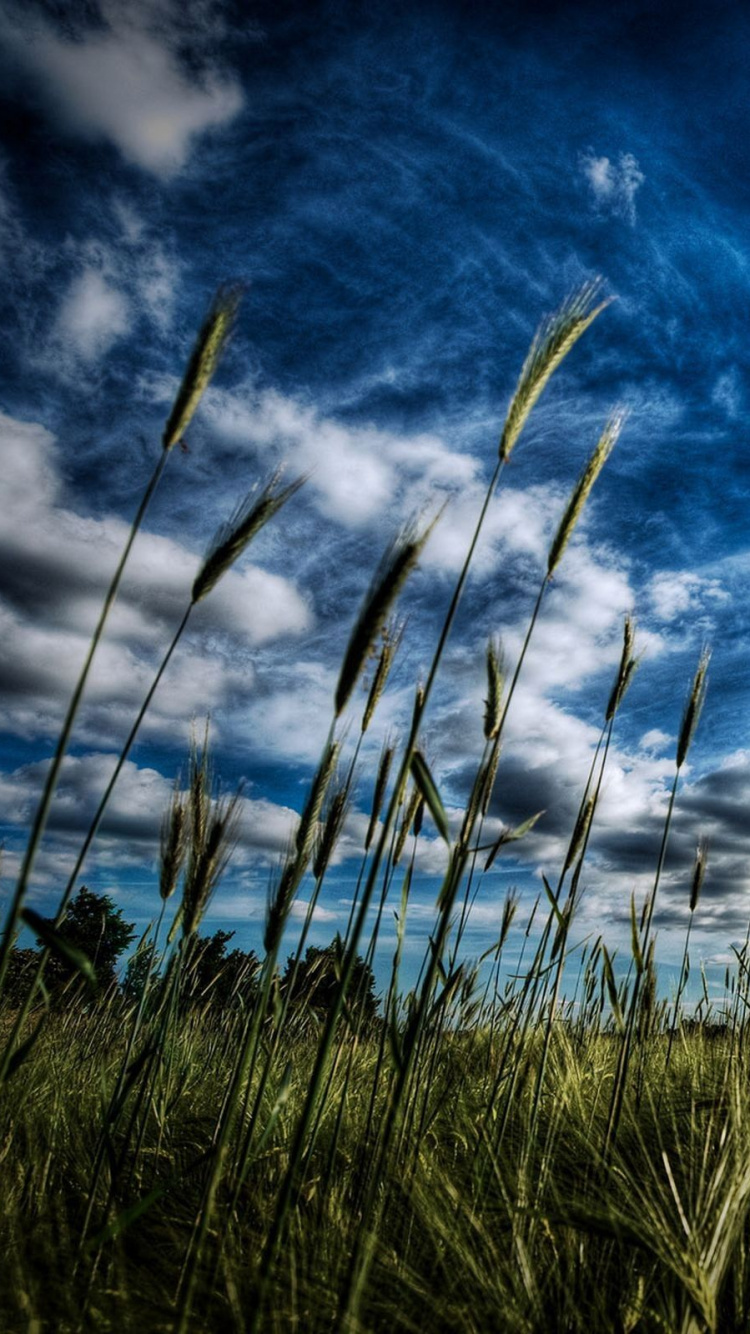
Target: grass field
[483, 1220]
[500, 1148]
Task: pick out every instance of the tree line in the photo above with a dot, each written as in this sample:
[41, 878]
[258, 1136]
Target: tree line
[217, 977]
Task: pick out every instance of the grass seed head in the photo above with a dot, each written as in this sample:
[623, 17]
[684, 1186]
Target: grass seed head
[395, 568]
[203, 361]
[381, 783]
[580, 832]
[416, 828]
[207, 863]
[308, 825]
[554, 338]
[281, 894]
[407, 822]
[173, 844]
[233, 537]
[328, 837]
[532, 915]
[582, 489]
[390, 640]
[510, 908]
[200, 780]
[693, 708]
[488, 784]
[495, 683]
[699, 872]
[625, 672]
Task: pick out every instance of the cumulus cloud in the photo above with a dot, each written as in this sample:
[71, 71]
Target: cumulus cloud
[359, 474]
[613, 184]
[355, 472]
[56, 564]
[655, 739]
[279, 706]
[124, 81]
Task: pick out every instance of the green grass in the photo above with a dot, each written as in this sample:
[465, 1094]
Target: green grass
[508, 1230]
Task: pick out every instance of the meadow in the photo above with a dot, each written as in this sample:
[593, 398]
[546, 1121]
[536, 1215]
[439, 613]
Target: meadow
[534, 1140]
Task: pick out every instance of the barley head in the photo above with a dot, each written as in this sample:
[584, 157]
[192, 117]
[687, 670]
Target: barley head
[582, 489]
[381, 783]
[390, 640]
[693, 707]
[625, 672]
[233, 537]
[699, 872]
[395, 568]
[203, 361]
[173, 844]
[553, 340]
[495, 683]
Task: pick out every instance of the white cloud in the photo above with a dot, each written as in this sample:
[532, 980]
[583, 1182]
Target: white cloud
[677, 593]
[124, 82]
[57, 564]
[655, 739]
[30, 481]
[361, 474]
[356, 473]
[291, 717]
[92, 316]
[104, 285]
[129, 835]
[614, 185]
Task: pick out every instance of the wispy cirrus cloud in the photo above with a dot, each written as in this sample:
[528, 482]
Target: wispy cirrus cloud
[76, 302]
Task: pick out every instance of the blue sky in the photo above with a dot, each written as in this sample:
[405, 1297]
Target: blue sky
[405, 190]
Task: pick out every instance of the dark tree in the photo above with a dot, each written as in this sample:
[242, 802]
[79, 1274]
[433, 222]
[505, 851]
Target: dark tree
[21, 965]
[219, 978]
[94, 925]
[316, 984]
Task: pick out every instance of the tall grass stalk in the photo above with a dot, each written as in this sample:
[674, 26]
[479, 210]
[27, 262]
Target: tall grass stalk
[699, 872]
[579, 843]
[690, 718]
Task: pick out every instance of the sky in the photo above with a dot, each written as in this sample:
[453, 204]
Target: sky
[404, 191]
